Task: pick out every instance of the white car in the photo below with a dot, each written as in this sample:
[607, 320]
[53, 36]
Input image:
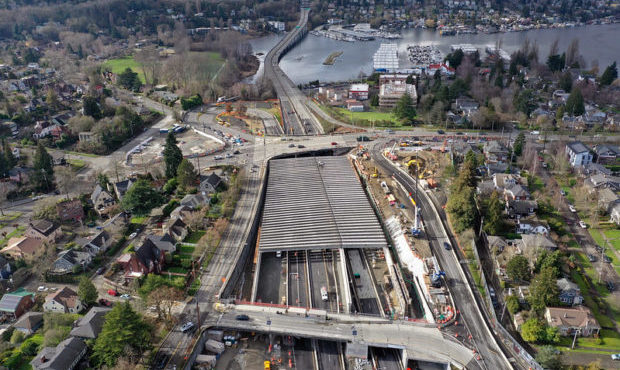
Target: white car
[583, 225]
[41, 288]
[187, 326]
[133, 235]
[572, 208]
[535, 133]
[126, 296]
[218, 157]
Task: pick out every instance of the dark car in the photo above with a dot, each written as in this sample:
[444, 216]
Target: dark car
[242, 317]
[441, 132]
[610, 286]
[591, 258]
[459, 133]
[105, 302]
[291, 145]
[300, 146]
[447, 246]
[100, 270]
[606, 258]
[163, 360]
[237, 152]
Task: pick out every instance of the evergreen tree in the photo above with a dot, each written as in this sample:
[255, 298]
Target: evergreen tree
[186, 174]
[87, 291]
[374, 100]
[91, 107]
[518, 145]
[574, 104]
[543, 290]
[566, 81]
[4, 168]
[141, 198]
[172, 156]
[43, 175]
[494, 220]
[518, 268]
[124, 331]
[8, 155]
[404, 108]
[609, 75]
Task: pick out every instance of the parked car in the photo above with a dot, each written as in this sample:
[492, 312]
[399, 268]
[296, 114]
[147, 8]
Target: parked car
[441, 132]
[242, 317]
[187, 326]
[218, 157]
[334, 143]
[301, 146]
[237, 151]
[598, 248]
[591, 258]
[133, 235]
[615, 357]
[606, 258]
[447, 246]
[583, 225]
[126, 296]
[611, 286]
[572, 208]
[112, 292]
[163, 360]
[562, 192]
[291, 145]
[100, 270]
[104, 302]
[42, 288]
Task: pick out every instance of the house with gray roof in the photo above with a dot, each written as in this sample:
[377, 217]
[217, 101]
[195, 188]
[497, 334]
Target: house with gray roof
[578, 154]
[165, 243]
[65, 356]
[209, 184]
[102, 200]
[96, 244]
[606, 153]
[69, 259]
[29, 322]
[16, 303]
[195, 201]
[121, 187]
[569, 292]
[89, 326]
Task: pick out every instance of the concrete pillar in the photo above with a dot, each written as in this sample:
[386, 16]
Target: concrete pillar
[256, 273]
[344, 278]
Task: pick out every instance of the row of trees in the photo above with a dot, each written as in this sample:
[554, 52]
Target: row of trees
[461, 205]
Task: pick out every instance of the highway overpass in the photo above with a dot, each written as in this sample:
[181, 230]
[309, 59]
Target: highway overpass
[296, 116]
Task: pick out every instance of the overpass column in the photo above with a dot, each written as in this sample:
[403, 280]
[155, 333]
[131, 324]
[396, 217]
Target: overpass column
[255, 280]
[344, 279]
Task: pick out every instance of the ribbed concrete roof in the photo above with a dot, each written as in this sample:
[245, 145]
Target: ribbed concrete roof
[317, 203]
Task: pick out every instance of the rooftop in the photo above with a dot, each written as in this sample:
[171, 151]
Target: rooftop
[578, 147]
[317, 203]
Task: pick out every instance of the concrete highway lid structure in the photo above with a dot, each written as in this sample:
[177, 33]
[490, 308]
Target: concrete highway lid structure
[317, 203]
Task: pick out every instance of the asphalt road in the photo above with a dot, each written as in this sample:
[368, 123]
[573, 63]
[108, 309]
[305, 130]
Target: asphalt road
[320, 276]
[364, 285]
[386, 359]
[448, 260]
[270, 279]
[329, 355]
[297, 281]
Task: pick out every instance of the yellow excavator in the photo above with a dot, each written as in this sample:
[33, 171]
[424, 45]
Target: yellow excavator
[375, 174]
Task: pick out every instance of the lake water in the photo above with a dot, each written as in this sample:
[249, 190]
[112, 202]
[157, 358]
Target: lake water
[597, 43]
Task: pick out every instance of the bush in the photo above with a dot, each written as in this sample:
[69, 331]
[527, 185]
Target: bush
[17, 337]
[6, 335]
[191, 102]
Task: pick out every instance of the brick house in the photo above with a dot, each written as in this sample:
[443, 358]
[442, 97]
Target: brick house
[70, 210]
[145, 260]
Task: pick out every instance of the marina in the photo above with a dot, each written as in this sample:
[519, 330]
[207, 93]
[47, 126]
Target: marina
[423, 55]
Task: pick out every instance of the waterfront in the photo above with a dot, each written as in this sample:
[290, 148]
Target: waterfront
[305, 62]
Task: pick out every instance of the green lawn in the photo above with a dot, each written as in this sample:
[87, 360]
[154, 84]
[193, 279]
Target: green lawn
[19, 230]
[610, 234]
[138, 220]
[119, 65]
[370, 116]
[194, 237]
[186, 249]
[77, 164]
[10, 216]
[177, 270]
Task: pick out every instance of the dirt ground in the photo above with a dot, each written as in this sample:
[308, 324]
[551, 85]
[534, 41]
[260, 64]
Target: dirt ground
[249, 354]
[189, 142]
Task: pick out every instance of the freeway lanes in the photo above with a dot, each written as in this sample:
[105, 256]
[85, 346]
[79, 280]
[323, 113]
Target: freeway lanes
[492, 356]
